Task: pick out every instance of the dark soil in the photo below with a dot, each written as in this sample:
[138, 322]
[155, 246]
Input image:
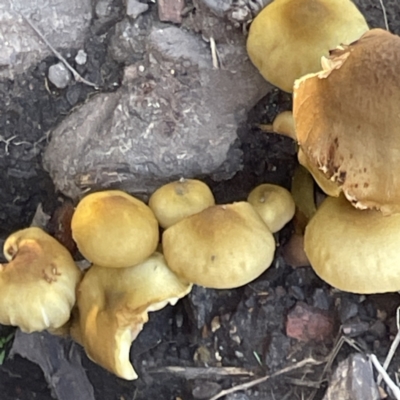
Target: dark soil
[242, 328]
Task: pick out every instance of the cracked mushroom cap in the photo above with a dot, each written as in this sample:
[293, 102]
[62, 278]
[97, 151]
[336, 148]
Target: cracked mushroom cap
[113, 229]
[354, 250]
[113, 307]
[38, 283]
[349, 130]
[288, 37]
[221, 247]
[177, 200]
[274, 204]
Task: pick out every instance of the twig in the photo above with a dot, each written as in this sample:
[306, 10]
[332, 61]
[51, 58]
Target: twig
[214, 55]
[384, 15]
[393, 347]
[393, 387]
[202, 373]
[74, 72]
[263, 379]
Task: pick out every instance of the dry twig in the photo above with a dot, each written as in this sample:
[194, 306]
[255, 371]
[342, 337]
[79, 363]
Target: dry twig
[384, 15]
[74, 72]
[248, 385]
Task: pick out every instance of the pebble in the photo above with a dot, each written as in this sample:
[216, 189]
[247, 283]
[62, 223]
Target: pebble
[59, 75]
[134, 8]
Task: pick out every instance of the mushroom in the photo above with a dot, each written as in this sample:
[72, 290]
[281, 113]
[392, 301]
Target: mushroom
[113, 306]
[354, 250]
[113, 229]
[177, 200]
[274, 204]
[223, 246]
[288, 37]
[38, 283]
[348, 131]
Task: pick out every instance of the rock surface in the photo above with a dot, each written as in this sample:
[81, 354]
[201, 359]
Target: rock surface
[353, 379]
[175, 115]
[64, 24]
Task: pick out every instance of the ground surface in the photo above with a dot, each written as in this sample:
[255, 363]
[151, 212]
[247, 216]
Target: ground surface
[243, 328]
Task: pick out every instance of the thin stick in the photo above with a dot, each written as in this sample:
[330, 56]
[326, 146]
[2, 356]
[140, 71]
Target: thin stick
[255, 382]
[390, 355]
[384, 15]
[393, 387]
[75, 73]
[214, 55]
[194, 372]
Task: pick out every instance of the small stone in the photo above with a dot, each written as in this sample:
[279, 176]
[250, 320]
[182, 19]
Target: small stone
[307, 323]
[321, 299]
[171, 10]
[347, 309]
[205, 390]
[59, 75]
[134, 8]
[354, 327]
[353, 379]
[81, 57]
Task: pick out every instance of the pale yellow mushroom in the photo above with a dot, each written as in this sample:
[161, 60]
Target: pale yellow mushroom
[274, 204]
[179, 199]
[223, 246]
[113, 305]
[354, 250]
[288, 37]
[37, 285]
[113, 229]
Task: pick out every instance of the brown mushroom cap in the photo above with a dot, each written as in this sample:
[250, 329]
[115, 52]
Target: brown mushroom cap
[354, 250]
[223, 246]
[38, 284]
[274, 204]
[113, 306]
[288, 37]
[114, 229]
[177, 200]
[349, 130]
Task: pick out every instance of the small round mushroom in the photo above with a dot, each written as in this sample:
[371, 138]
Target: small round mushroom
[288, 37]
[114, 304]
[349, 131]
[274, 204]
[113, 229]
[354, 250]
[223, 246]
[179, 199]
[38, 284]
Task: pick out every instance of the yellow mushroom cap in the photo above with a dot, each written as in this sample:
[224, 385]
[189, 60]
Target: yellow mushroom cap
[223, 246]
[38, 284]
[177, 200]
[113, 307]
[114, 229]
[288, 37]
[354, 250]
[348, 130]
[274, 204]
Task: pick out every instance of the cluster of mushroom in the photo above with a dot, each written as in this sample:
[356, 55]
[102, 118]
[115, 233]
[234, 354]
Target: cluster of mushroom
[131, 272]
[345, 120]
[216, 246]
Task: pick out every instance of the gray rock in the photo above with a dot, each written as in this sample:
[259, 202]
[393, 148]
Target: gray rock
[60, 361]
[62, 23]
[103, 8]
[134, 8]
[173, 116]
[59, 75]
[81, 57]
[353, 379]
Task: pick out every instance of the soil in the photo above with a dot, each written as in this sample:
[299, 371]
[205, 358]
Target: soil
[243, 328]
